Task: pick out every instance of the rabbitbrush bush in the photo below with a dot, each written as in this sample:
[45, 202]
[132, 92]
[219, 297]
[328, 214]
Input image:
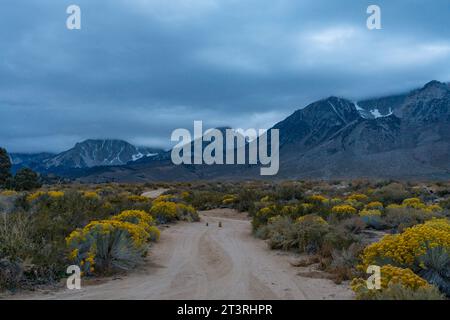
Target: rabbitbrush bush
[423, 248]
[343, 211]
[166, 211]
[396, 284]
[406, 248]
[108, 245]
[142, 219]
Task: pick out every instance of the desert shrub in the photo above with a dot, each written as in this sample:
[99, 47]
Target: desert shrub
[164, 211]
[204, 200]
[229, 199]
[8, 193]
[375, 205]
[337, 238]
[354, 225]
[142, 219]
[288, 191]
[391, 193]
[396, 283]
[246, 199]
[8, 202]
[406, 249]
[372, 218]
[91, 195]
[187, 213]
[138, 217]
[107, 246]
[358, 197]
[343, 262]
[153, 233]
[137, 198]
[401, 217]
[317, 199]
[39, 260]
[305, 234]
[343, 211]
[398, 292]
[445, 204]
[14, 236]
[435, 268]
[263, 215]
[11, 274]
[262, 232]
[311, 232]
[281, 233]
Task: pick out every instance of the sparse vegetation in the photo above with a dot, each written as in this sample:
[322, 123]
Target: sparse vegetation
[342, 226]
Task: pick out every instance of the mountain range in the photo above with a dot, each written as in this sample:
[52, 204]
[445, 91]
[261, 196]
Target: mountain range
[405, 136]
[87, 154]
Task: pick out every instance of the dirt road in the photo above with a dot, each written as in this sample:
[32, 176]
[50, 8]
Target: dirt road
[154, 193]
[195, 261]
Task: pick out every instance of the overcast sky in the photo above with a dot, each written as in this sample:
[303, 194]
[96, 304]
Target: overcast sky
[138, 69]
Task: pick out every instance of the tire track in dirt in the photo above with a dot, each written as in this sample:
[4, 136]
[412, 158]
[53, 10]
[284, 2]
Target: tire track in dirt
[196, 261]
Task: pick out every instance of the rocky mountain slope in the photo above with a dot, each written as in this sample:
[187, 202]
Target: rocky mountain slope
[86, 154]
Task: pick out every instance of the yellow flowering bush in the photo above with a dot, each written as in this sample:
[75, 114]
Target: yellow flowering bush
[394, 206]
[136, 198]
[185, 195]
[343, 210]
[166, 211]
[288, 210]
[229, 199]
[434, 208]
[107, 245]
[359, 197]
[91, 195]
[8, 193]
[138, 217]
[55, 194]
[317, 198]
[404, 279]
[33, 196]
[153, 233]
[415, 203]
[370, 213]
[335, 201]
[375, 205]
[311, 219]
[404, 249]
[263, 215]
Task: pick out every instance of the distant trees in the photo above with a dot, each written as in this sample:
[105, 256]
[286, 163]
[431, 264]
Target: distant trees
[5, 170]
[25, 179]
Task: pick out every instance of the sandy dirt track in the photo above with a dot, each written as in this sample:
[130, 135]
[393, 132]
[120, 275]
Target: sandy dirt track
[195, 261]
[154, 193]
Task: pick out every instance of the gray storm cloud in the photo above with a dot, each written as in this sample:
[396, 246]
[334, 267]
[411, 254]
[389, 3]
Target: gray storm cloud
[139, 69]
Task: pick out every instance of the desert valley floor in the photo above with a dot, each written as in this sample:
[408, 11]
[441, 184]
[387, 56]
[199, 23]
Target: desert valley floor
[196, 261]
